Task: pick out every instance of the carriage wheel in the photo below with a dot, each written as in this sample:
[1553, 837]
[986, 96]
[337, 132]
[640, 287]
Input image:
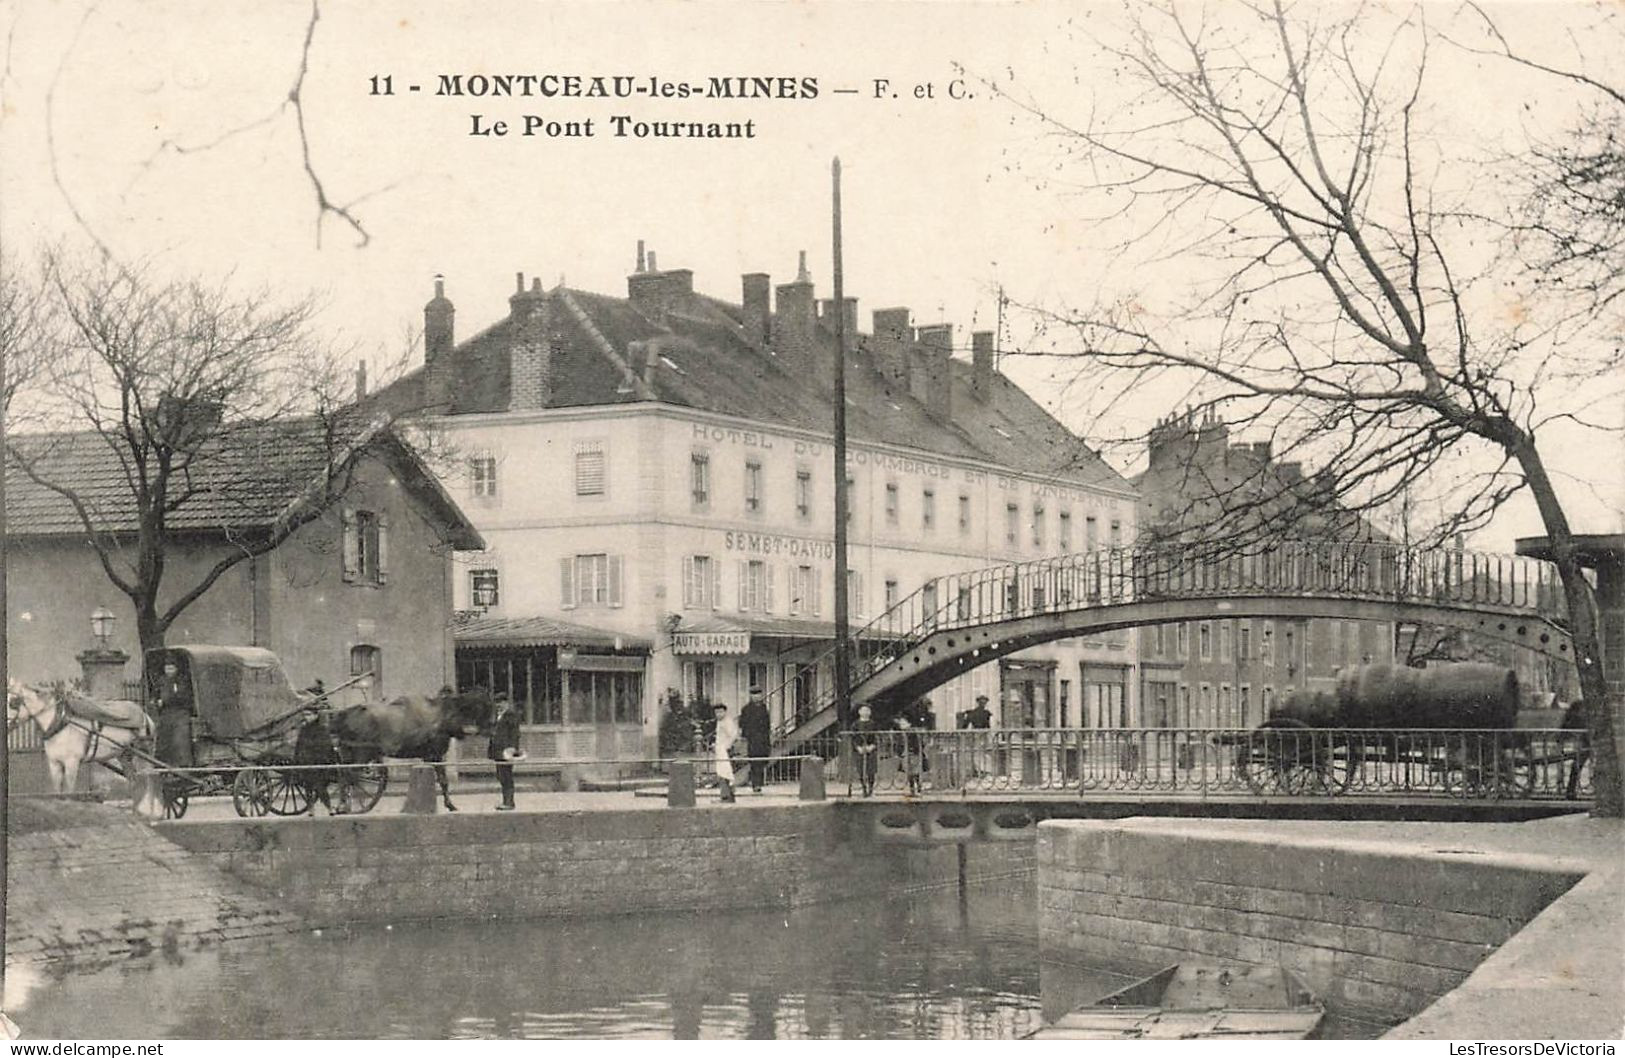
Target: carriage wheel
[1479, 768]
[175, 792]
[250, 792]
[359, 789]
[287, 793]
[1256, 762]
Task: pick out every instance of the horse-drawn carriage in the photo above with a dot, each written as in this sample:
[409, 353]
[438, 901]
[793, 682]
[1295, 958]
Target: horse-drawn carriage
[1455, 728]
[248, 732]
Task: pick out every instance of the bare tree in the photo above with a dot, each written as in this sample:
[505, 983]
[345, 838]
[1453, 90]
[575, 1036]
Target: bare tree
[26, 331]
[1331, 286]
[190, 409]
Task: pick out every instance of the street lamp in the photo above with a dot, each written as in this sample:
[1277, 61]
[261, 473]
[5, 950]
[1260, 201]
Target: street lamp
[101, 626]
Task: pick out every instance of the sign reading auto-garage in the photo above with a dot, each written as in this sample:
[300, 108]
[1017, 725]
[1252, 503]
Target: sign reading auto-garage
[710, 643]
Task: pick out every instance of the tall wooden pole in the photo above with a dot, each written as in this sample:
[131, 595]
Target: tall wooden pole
[843, 659]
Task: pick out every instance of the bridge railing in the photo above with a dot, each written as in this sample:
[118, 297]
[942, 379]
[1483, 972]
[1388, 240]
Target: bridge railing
[1478, 764]
[1113, 576]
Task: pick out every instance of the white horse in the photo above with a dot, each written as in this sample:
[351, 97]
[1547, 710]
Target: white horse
[69, 739]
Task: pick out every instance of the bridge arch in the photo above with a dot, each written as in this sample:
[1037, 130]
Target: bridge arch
[963, 620]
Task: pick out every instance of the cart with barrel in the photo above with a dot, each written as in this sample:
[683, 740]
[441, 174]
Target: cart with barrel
[1455, 729]
[247, 733]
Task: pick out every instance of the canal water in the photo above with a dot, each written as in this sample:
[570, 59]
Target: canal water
[927, 965]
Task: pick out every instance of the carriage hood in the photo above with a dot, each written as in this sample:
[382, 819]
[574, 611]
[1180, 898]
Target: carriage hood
[236, 691]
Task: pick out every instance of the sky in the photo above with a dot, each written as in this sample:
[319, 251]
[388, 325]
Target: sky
[164, 132]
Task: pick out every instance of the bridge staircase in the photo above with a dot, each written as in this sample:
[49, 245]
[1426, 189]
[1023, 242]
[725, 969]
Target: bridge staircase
[962, 620]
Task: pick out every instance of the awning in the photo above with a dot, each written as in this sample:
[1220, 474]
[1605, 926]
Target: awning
[541, 632]
[733, 634]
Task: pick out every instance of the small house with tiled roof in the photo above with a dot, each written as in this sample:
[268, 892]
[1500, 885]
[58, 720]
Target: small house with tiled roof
[363, 586]
[653, 475]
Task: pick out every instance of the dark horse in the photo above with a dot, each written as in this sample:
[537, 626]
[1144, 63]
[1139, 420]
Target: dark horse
[413, 726]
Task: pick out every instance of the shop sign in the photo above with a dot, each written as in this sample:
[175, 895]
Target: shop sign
[710, 643]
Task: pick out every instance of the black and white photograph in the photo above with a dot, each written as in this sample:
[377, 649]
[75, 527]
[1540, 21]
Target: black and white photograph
[831, 520]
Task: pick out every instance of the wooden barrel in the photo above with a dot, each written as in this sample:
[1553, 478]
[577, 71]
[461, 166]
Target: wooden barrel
[1465, 694]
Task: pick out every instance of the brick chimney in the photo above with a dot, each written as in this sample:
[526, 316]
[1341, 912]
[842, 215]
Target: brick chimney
[938, 339]
[757, 299]
[793, 320]
[826, 319]
[655, 293]
[438, 315]
[530, 356]
[981, 345]
[892, 338]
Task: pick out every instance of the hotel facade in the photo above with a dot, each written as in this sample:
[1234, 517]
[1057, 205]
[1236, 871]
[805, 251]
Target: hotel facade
[653, 478]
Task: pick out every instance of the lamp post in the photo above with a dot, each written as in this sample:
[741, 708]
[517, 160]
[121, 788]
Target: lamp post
[101, 626]
[103, 663]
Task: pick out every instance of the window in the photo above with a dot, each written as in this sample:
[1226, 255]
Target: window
[1091, 533]
[1244, 641]
[755, 586]
[1244, 696]
[1159, 639]
[1225, 717]
[482, 476]
[964, 513]
[590, 473]
[962, 604]
[928, 603]
[753, 487]
[366, 547]
[1205, 704]
[854, 592]
[1012, 523]
[590, 580]
[804, 590]
[1204, 640]
[891, 503]
[1066, 531]
[1184, 705]
[803, 494]
[605, 697]
[1038, 525]
[702, 582]
[699, 478]
[1266, 644]
[483, 592]
[1066, 704]
[1117, 533]
[364, 659]
[700, 681]
[1267, 702]
[928, 509]
[1226, 641]
[1183, 635]
[891, 593]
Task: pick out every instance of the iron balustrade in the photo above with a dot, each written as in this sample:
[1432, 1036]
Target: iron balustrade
[1491, 763]
[1356, 571]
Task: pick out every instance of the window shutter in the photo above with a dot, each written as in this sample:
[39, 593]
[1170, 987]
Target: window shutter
[567, 582]
[857, 592]
[615, 596]
[767, 603]
[383, 547]
[744, 585]
[716, 584]
[690, 588]
[816, 591]
[352, 546]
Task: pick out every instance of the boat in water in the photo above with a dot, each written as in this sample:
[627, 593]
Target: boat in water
[1198, 1001]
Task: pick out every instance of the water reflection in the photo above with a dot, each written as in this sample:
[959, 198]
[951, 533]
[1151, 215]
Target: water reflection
[917, 967]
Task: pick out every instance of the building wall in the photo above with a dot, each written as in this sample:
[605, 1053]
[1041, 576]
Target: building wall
[648, 516]
[1280, 656]
[294, 601]
[316, 617]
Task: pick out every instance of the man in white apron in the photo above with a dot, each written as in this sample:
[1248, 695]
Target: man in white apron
[727, 733]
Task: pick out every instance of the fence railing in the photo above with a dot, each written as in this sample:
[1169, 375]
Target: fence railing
[1115, 576]
[1479, 763]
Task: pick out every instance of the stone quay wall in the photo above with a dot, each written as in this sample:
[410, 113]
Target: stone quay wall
[1374, 928]
[92, 884]
[398, 868]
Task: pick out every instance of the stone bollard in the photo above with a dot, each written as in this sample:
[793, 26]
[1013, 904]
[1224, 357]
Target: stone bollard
[680, 784]
[812, 780]
[422, 792]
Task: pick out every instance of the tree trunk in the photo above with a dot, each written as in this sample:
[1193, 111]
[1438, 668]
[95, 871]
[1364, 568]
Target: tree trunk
[150, 629]
[1585, 636]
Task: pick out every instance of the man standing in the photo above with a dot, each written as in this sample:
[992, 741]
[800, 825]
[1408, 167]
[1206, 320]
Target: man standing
[174, 717]
[504, 748]
[978, 719]
[757, 727]
[866, 744]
